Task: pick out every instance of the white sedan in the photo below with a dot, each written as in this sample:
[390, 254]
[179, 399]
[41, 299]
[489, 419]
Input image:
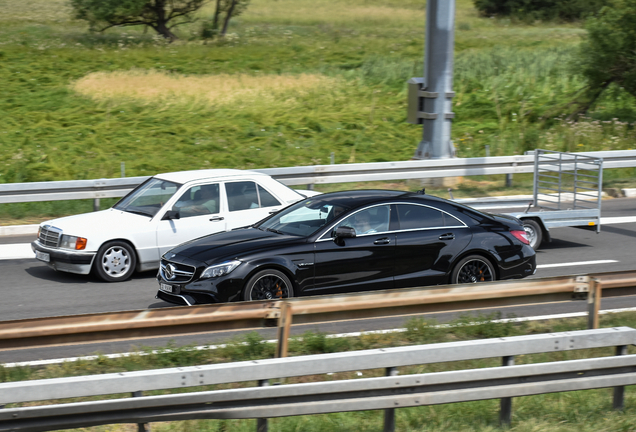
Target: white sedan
[164, 211]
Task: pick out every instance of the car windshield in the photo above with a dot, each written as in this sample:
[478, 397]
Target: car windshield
[302, 219]
[147, 198]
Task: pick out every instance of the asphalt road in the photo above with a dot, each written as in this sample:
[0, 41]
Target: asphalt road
[30, 289]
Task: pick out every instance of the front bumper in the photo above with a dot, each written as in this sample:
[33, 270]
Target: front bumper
[205, 291]
[66, 260]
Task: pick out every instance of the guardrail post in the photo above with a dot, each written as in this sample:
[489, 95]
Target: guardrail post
[96, 204]
[593, 303]
[284, 323]
[261, 423]
[389, 413]
[141, 427]
[505, 413]
[619, 392]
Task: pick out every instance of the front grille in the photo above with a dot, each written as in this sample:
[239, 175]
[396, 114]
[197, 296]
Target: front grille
[50, 236]
[175, 272]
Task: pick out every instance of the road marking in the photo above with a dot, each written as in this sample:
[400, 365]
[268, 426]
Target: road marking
[578, 263]
[273, 341]
[16, 251]
[617, 220]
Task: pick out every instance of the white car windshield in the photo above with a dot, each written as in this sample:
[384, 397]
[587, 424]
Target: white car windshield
[302, 219]
[147, 198]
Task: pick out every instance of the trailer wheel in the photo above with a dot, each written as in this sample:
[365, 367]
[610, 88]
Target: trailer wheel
[533, 230]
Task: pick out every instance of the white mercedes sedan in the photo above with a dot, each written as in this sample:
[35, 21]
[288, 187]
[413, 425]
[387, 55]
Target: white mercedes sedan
[162, 212]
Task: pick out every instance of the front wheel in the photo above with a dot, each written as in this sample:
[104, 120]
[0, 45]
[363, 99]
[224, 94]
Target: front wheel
[534, 233]
[473, 269]
[268, 285]
[115, 261]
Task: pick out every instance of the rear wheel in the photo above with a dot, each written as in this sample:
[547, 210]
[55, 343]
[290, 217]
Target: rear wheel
[267, 285]
[115, 261]
[534, 233]
[473, 269]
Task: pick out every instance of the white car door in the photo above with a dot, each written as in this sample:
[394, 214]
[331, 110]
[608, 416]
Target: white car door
[248, 202]
[202, 211]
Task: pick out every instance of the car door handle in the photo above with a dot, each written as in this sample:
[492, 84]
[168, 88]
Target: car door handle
[217, 218]
[382, 241]
[274, 211]
[448, 236]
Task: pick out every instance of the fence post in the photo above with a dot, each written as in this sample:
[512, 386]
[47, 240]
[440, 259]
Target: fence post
[141, 427]
[261, 423]
[593, 303]
[619, 391]
[284, 323]
[389, 413]
[505, 413]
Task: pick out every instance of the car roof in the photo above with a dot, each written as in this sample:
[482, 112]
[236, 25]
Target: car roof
[359, 198]
[356, 198]
[183, 177]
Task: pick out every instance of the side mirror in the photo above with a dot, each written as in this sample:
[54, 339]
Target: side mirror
[171, 214]
[343, 232]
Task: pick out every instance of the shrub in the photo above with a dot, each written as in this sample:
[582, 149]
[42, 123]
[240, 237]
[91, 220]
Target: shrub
[544, 10]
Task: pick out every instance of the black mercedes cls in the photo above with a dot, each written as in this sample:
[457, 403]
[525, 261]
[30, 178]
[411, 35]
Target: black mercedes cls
[345, 242]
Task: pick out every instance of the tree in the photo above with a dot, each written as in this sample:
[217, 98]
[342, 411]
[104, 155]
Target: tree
[607, 55]
[160, 15]
[228, 8]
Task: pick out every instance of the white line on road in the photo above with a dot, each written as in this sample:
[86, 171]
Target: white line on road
[578, 263]
[16, 251]
[617, 220]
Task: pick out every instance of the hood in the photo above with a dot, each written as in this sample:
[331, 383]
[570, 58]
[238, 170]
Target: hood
[85, 224]
[228, 245]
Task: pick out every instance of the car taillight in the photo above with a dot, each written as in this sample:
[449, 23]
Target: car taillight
[521, 236]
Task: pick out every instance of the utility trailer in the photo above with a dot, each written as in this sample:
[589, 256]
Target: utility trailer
[567, 193]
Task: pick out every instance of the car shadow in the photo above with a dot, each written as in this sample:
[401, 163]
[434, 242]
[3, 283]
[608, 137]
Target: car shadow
[46, 273]
[560, 244]
[161, 305]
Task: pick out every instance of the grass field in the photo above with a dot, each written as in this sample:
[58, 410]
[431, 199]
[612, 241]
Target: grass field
[294, 82]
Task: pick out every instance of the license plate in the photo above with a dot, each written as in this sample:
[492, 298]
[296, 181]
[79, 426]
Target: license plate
[165, 287]
[42, 256]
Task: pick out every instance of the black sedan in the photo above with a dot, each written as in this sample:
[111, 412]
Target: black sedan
[345, 242]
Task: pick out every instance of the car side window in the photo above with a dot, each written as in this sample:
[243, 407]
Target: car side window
[368, 221]
[248, 195]
[199, 200]
[267, 199]
[417, 217]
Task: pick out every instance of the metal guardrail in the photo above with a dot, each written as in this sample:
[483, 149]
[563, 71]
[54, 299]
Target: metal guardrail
[386, 393]
[310, 175]
[102, 327]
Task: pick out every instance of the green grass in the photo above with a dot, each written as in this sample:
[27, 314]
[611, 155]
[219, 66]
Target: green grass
[583, 411]
[510, 81]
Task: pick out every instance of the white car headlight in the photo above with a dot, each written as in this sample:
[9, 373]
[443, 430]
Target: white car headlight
[220, 269]
[72, 242]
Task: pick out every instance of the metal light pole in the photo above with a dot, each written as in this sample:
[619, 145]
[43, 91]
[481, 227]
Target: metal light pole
[430, 98]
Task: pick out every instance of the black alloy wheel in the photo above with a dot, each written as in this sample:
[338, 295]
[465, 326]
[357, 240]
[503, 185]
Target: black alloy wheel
[268, 285]
[473, 269]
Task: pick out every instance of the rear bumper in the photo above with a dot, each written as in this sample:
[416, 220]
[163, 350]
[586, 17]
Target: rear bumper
[523, 268]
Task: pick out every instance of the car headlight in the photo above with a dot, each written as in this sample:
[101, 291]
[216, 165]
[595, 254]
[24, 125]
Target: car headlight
[220, 269]
[72, 242]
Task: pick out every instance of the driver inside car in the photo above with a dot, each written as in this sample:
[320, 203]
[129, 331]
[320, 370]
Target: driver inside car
[205, 201]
